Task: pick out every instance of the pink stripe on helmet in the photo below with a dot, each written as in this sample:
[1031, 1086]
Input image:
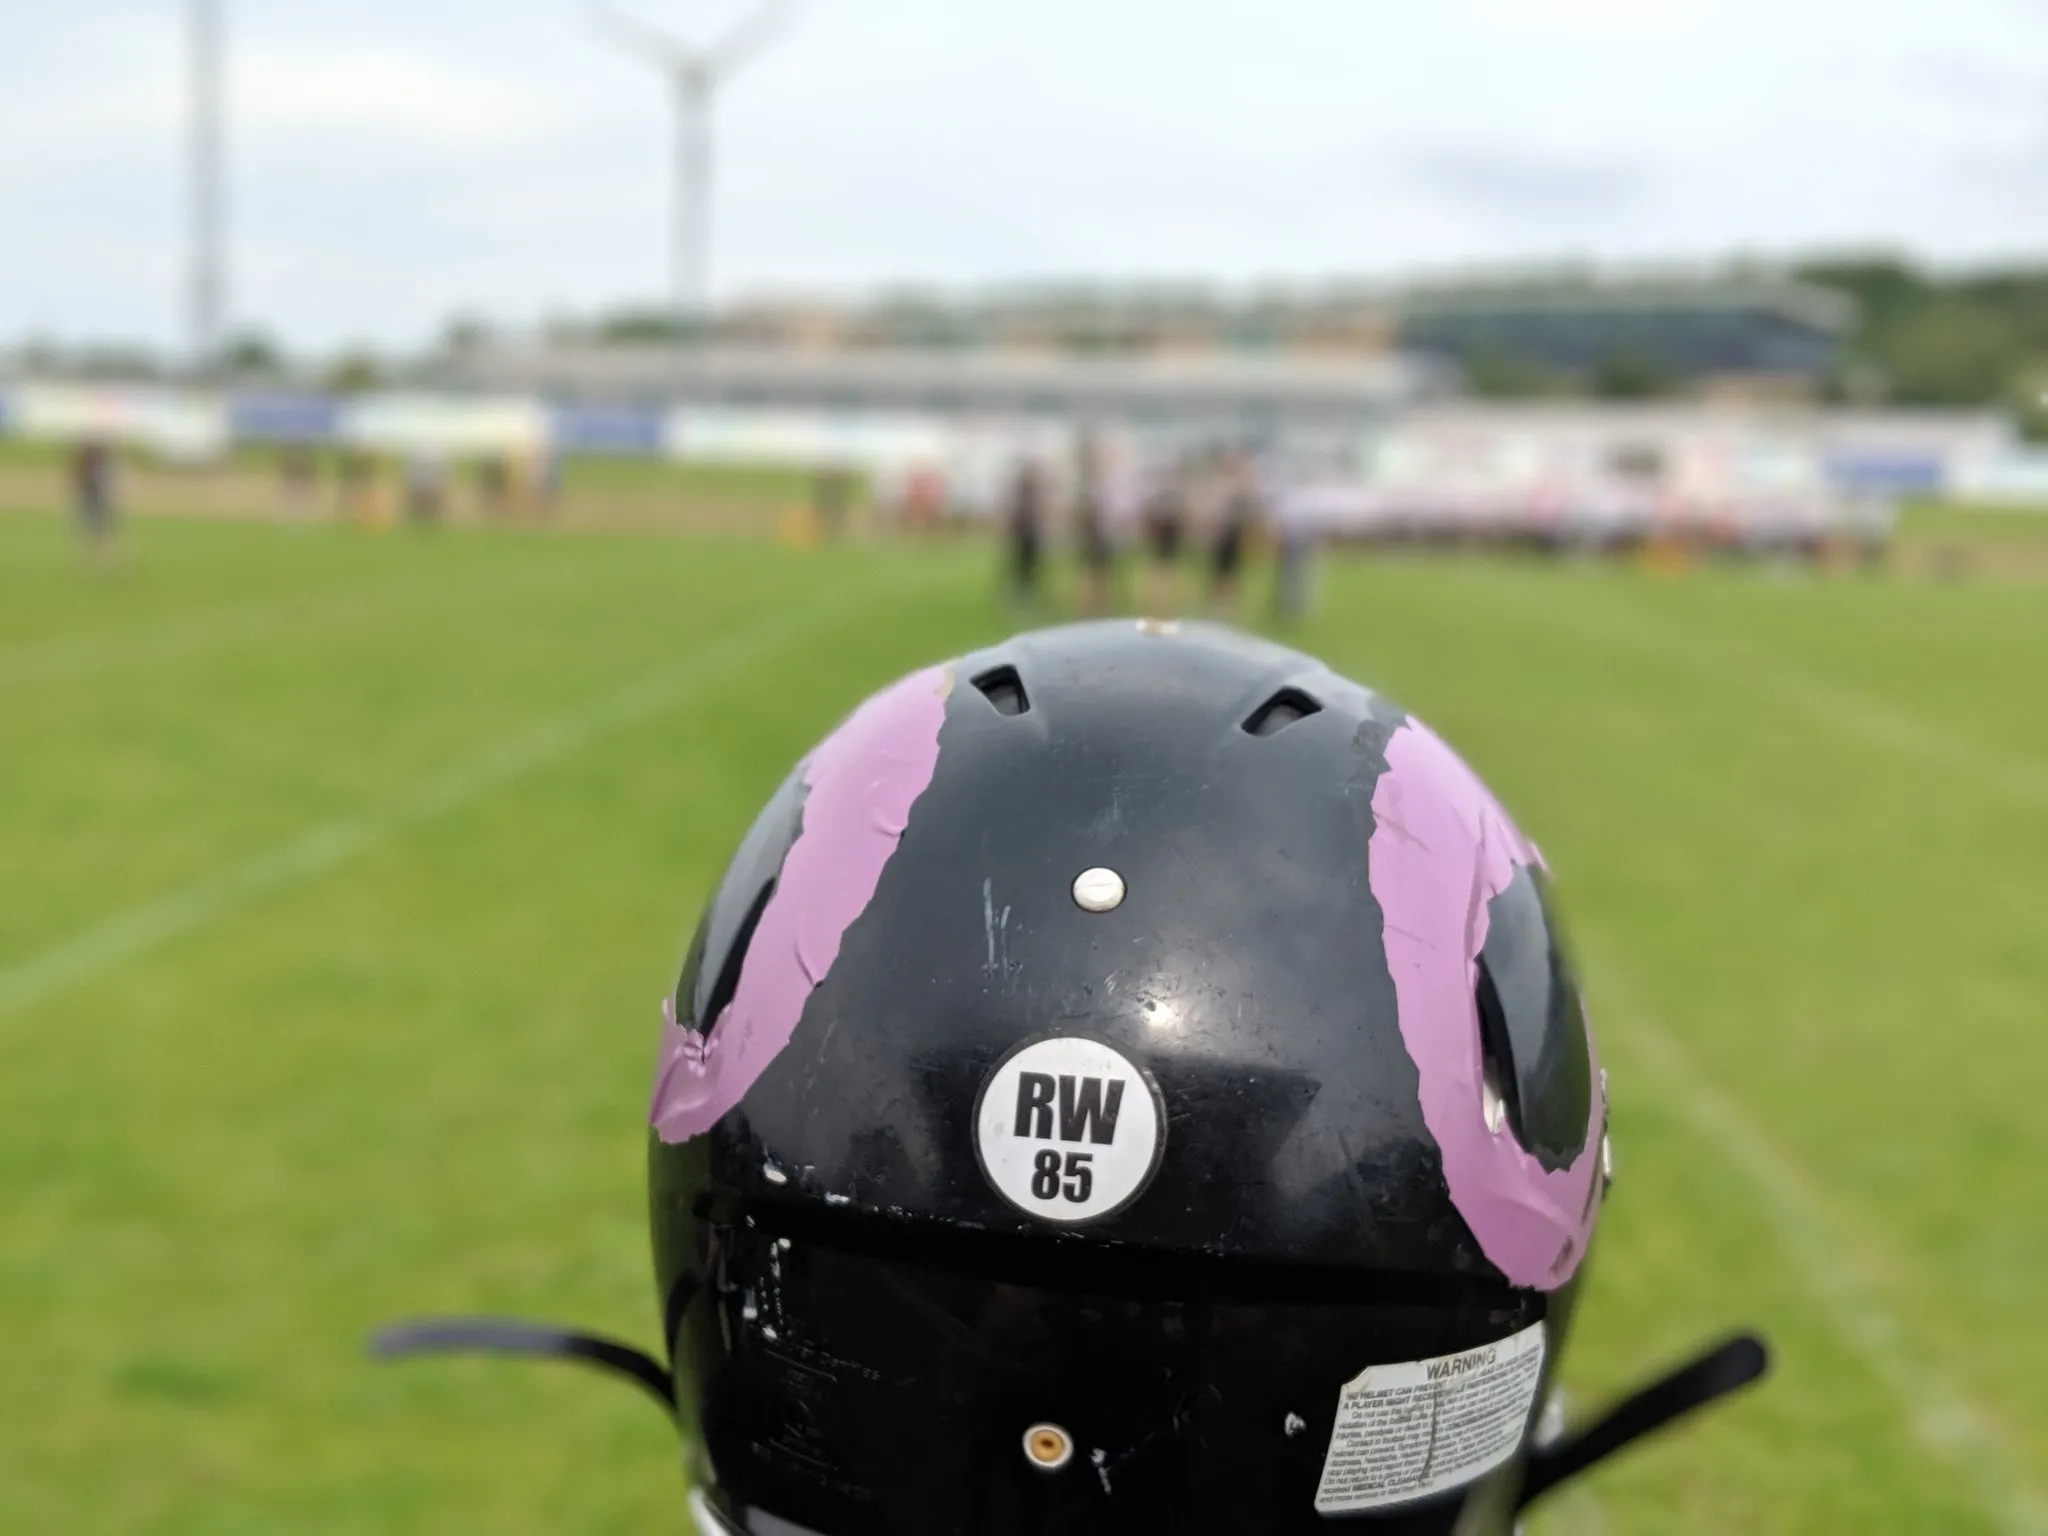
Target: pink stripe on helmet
[861, 782]
[1442, 848]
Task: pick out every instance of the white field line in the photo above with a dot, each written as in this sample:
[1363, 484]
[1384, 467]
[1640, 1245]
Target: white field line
[182, 634]
[331, 844]
[189, 634]
[1951, 1426]
[1940, 1417]
[1852, 712]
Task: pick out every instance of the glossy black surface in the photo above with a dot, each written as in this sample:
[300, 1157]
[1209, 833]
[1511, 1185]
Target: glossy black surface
[1298, 1228]
[885, 1385]
[1528, 995]
[1244, 969]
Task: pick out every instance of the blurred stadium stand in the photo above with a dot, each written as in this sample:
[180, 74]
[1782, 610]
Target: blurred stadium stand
[1688, 333]
[1216, 393]
[1136, 318]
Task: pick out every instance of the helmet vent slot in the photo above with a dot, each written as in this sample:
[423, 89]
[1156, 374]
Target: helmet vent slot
[1003, 688]
[1500, 1087]
[728, 982]
[1279, 712]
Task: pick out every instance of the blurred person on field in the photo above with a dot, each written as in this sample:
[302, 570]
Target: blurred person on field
[298, 473]
[1294, 568]
[358, 477]
[832, 499]
[1024, 523]
[1091, 526]
[93, 501]
[426, 487]
[1165, 520]
[494, 484]
[1238, 514]
[924, 496]
[550, 479]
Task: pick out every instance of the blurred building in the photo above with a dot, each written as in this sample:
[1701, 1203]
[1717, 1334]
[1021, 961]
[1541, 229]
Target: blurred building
[1213, 393]
[1158, 320]
[1053, 347]
[1643, 338]
[1281, 364]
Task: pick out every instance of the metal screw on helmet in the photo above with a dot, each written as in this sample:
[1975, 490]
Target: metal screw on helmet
[1048, 1447]
[1098, 890]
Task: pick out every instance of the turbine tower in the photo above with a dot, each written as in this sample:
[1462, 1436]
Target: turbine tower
[694, 76]
[208, 253]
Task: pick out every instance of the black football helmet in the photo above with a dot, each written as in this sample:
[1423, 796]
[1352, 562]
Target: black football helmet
[1128, 1080]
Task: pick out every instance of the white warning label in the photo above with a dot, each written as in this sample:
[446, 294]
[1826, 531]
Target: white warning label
[1407, 1431]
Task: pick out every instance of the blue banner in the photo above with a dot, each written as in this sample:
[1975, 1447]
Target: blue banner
[607, 429]
[1881, 473]
[283, 418]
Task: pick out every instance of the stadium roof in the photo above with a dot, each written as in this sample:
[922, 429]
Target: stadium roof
[1680, 329]
[1804, 304]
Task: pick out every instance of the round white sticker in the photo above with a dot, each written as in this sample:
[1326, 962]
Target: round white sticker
[1068, 1129]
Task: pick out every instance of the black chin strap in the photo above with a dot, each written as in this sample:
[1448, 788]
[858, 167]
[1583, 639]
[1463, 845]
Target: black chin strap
[1721, 1370]
[502, 1336]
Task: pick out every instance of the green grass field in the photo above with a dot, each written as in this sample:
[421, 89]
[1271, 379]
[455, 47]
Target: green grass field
[344, 872]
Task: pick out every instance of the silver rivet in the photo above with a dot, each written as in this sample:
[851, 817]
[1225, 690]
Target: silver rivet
[1294, 1424]
[1098, 890]
[773, 1174]
[1048, 1447]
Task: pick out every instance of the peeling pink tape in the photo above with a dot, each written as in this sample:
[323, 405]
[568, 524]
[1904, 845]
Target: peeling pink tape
[1442, 848]
[861, 782]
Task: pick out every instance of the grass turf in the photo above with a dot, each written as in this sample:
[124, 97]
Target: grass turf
[344, 873]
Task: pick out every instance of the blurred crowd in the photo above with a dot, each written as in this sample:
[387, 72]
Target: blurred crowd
[1162, 526]
[421, 487]
[1211, 508]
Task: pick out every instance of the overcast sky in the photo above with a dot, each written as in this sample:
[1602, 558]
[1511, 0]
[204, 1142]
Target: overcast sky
[397, 160]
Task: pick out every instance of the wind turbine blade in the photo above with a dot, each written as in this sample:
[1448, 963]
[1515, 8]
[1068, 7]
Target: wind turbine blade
[749, 36]
[639, 37]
